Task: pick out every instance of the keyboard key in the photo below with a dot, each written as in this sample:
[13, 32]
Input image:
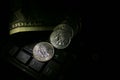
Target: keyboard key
[29, 48]
[23, 57]
[13, 50]
[60, 56]
[36, 65]
[52, 69]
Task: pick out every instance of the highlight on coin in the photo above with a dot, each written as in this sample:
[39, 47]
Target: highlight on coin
[43, 51]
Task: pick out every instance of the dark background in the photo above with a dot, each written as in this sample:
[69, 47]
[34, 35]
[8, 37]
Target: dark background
[90, 40]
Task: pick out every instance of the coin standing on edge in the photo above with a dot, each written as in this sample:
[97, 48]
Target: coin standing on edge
[43, 51]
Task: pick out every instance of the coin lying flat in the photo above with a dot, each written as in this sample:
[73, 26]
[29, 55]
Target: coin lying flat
[60, 39]
[65, 27]
[43, 51]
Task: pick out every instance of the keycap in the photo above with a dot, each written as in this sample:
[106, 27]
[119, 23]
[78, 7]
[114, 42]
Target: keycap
[13, 50]
[36, 65]
[52, 69]
[23, 56]
[29, 48]
[60, 56]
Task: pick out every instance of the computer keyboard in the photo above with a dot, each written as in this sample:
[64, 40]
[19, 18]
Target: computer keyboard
[22, 58]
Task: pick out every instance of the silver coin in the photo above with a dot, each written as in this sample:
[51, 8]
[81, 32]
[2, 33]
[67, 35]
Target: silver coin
[65, 27]
[43, 51]
[60, 39]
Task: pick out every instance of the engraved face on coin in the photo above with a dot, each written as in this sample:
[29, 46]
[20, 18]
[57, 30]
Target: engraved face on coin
[60, 39]
[43, 51]
[65, 27]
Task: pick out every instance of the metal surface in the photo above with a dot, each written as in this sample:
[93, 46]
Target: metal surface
[66, 28]
[43, 51]
[60, 39]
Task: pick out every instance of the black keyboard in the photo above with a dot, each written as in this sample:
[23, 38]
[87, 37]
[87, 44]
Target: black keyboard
[22, 58]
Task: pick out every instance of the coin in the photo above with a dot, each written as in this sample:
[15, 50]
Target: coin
[43, 51]
[65, 27]
[60, 39]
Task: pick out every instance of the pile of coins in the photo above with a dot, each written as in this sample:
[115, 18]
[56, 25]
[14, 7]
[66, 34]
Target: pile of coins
[60, 38]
